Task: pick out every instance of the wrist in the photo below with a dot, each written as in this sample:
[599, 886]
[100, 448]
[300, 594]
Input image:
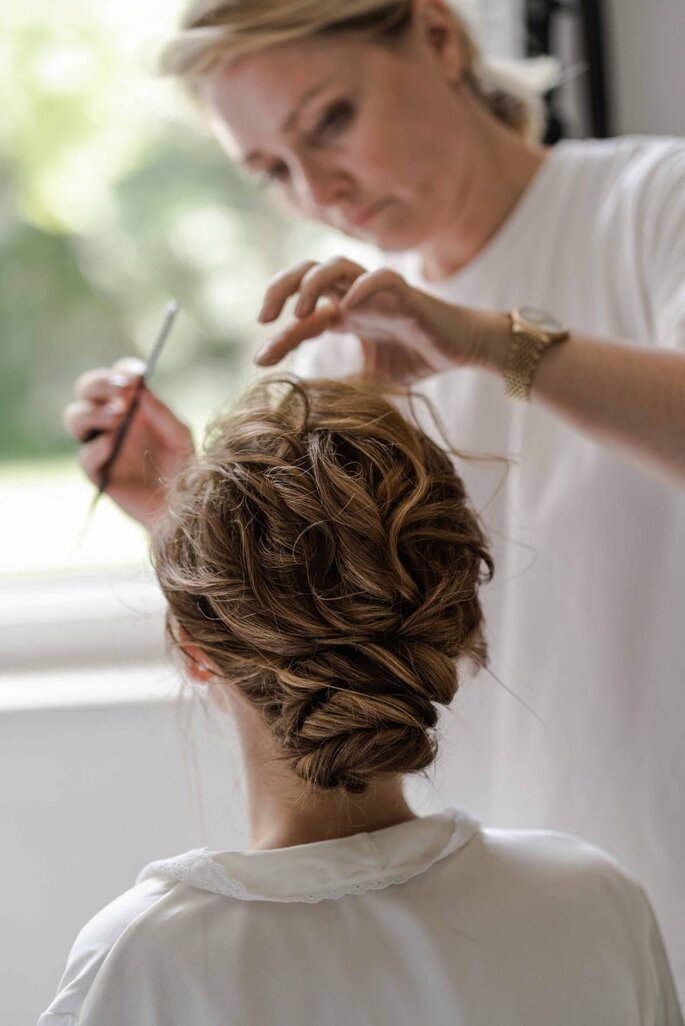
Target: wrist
[492, 341]
[463, 337]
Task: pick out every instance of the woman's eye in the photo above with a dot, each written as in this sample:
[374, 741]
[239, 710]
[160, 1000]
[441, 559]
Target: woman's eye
[275, 173]
[337, 117]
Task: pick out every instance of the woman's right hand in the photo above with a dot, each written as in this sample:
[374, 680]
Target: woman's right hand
[155, 445]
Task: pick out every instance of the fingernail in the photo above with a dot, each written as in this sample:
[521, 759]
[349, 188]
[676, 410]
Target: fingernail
[267, 353]
[266, 313]
[129, 366]
[118, 380]
[115, 406]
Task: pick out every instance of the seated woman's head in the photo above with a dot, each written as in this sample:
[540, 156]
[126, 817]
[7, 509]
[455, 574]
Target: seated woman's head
[322, 556]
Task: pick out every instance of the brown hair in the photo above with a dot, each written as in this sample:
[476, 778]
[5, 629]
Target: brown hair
[215, 32]
[322, 552]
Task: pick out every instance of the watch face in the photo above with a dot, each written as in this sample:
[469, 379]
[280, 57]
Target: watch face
[540, 319]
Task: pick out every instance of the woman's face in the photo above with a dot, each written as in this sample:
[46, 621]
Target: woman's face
[370, 140]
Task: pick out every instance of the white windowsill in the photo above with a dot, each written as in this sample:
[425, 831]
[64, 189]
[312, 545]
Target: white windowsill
[103, 620]
[89, 687]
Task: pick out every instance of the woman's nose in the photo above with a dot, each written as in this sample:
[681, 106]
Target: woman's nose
[320, 186]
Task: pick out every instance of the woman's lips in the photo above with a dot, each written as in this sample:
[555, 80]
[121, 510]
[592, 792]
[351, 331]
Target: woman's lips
[362, 218]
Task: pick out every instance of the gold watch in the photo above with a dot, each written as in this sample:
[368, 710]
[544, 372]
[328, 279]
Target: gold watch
[532, 332]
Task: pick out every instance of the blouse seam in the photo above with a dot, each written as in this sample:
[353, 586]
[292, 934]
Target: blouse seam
[107, 952]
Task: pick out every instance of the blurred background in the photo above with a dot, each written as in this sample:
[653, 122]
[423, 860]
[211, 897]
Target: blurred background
[113, 198]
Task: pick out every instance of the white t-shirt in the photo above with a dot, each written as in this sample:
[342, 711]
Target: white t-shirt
[430, 921]
[587, 609]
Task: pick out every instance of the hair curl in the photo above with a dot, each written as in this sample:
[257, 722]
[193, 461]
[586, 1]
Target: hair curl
[322, 552]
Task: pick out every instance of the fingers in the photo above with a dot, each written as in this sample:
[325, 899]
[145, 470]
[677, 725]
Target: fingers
[130, 366]
[104, 394]
[102, 397]
[104, 383]
[309, 327]
[312, 280]
[281, 288]
[99, 385]
[332, 278]
[93, 456]
[84, 415]
[367, 285]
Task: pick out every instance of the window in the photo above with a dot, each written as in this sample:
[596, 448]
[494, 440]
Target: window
[116, 199]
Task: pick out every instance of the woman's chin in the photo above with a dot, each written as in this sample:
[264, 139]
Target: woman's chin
[391, 229]
[389, 238]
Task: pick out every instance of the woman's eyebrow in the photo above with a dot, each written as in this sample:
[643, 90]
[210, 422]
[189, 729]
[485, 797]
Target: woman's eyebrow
[294, 114]
[308, 95]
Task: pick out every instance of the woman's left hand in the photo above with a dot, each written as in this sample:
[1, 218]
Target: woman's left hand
[622, 395]
[405, 334]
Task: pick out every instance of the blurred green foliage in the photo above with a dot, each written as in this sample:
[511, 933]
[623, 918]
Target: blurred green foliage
[114, 197]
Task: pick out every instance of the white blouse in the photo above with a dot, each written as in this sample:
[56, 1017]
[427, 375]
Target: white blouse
[433, 921]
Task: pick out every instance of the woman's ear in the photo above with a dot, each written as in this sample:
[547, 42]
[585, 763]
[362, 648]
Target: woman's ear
[197, 664]
[438, 30]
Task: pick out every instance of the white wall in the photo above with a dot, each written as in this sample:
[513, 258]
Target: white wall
[89, 795]
[647, 71]
[644, 43]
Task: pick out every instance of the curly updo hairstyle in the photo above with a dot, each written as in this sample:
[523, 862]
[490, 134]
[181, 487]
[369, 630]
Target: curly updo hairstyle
[322, 552]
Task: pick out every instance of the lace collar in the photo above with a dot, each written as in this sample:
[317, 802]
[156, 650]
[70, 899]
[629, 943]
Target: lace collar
[324, 869]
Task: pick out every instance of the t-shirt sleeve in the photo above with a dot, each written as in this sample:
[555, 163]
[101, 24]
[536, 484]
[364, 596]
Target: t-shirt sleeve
[662, 219]
[92, 945]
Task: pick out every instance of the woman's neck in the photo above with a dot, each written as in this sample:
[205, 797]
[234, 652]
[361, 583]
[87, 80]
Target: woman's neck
[276, 821]
[500, 168]
[280, 811]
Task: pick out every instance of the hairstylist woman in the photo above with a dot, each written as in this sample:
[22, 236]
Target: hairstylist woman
[380, 119]
[321, 563]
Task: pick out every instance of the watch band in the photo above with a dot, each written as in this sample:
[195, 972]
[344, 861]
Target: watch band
[524, 355]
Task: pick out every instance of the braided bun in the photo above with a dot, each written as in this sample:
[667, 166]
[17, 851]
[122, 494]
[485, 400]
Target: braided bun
[322, 553]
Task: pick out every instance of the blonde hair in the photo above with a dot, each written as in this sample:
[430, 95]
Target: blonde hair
[322, 553]
[215, 32]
